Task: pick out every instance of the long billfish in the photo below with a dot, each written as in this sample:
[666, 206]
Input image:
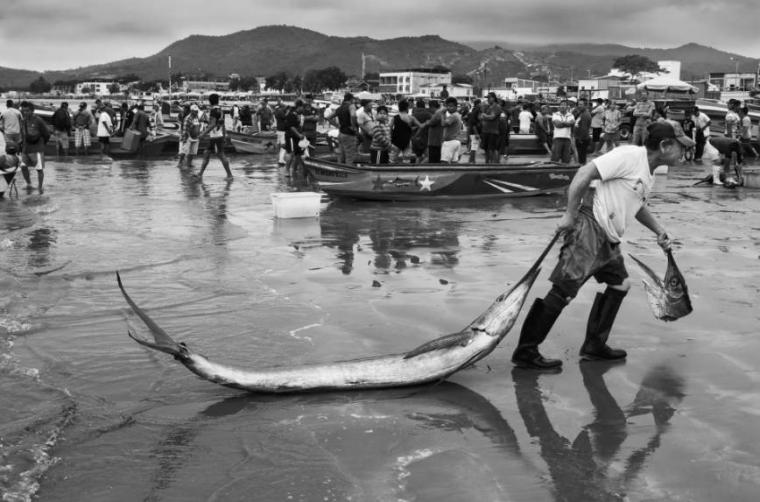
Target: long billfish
[432, 361]
[669, 298]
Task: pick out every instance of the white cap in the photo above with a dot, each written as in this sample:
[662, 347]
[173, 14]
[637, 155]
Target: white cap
[194, 108]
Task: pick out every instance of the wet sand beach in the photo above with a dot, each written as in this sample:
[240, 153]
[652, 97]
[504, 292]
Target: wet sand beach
[88, 414]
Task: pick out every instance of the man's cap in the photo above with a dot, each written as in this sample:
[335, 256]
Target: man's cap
[194, 108]
[572, 99]
[669, 129]
[365, 102]
[348, 96]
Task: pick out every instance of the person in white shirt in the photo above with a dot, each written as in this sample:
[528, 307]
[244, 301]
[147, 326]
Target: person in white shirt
[105, 129]
[701, 132]
[525, 118]
[604, 198]
[563, 122]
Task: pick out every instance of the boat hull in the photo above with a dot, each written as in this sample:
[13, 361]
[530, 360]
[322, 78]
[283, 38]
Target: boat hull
[411, 182]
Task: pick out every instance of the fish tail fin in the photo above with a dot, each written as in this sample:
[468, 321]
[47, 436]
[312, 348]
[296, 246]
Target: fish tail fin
[162, 341]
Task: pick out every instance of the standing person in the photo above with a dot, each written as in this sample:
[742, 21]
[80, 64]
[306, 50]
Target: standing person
[280, 111]
[732, 120]
[10, 122]
[236, 123]
[597, 123]
[451, 147]
[293, 137]
[191, 134]
[473, 130]
[62, 129]
[593, 225]
[123, 125]
[35, 135]
[489, 125]
[141, 123]
[365, 122]
[525, 118]
[643, 111]
[434, 128]
[611, 126]
[345, 115]
[419, 140]
[105, 130]
[745, 132]
[82, 121]
[182, 114]
[265, 115]
[216, 132]
[543, 128]
[563, 122]
[246, 116]
[309, 119]
[506, 119]
[701, 130]
[582, 131]
[402, 129]
[9, 164]
[379, 148]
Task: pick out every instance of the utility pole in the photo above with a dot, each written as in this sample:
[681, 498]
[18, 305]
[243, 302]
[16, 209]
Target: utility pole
[170, 79]
[364, 66]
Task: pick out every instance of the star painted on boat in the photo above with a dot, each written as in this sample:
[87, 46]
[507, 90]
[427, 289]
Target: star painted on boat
[426, 183]
[377, 184]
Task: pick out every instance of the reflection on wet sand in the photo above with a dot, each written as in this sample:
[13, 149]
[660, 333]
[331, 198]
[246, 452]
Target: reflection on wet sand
[392, 237]
[40, 242]
[410, 430]
[580, 470]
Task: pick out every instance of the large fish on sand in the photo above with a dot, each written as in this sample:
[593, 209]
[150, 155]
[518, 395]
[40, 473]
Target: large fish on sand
[668, 298]
[432, 361]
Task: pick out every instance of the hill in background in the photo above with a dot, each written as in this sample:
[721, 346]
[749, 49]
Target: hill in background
[267, 50]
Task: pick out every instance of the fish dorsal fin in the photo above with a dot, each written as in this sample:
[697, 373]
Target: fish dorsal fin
[443, 342]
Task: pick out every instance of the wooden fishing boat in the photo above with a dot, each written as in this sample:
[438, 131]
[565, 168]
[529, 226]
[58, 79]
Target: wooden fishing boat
[412, 182]
[257, 142]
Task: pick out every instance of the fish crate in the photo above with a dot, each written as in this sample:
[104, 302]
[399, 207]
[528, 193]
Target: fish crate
[296, 204]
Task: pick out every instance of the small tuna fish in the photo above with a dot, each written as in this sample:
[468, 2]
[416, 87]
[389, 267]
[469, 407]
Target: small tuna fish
[669, 299]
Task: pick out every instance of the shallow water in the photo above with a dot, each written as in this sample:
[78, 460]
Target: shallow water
[87, 414]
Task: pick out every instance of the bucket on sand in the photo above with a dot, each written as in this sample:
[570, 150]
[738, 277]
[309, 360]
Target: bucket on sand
[296, 204]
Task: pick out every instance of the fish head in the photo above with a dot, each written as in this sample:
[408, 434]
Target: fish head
[668, 298]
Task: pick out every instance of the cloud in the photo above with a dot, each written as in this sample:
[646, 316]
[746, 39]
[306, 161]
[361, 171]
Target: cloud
[50, 34]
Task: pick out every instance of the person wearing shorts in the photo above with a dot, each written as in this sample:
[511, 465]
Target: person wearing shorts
[9, 164]
[604, 197]
[216, 132]
[190, 138]
[35, 134]
[82, 121]
[489, 126]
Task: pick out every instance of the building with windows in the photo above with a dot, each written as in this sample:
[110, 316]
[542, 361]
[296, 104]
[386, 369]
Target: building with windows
[97, 88]
[734, 81]
[459, 91]
[412, 81]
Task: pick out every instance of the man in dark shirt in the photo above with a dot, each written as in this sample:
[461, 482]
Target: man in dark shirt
[280, 110]
[35, 134]
[310, 118]
[345, 115]
[419, 140]
[62, 128]
[582, 130]
[293, 135]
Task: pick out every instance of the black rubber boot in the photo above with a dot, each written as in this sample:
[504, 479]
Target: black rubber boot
[539, 321]
[600, 321]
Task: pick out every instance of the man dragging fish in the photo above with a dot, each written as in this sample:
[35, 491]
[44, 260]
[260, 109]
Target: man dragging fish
[604, 197]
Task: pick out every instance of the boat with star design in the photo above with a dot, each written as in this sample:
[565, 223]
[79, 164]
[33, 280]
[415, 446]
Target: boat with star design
[413, 182]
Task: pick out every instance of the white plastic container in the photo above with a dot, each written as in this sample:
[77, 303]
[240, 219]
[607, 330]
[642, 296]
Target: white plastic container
[296, 204]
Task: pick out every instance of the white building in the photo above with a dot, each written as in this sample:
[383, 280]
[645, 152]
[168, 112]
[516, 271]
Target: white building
[97, 88]
[461, 91]
[412, 81]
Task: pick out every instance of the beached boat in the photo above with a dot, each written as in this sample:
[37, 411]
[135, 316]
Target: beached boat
[410, 182]
[257, 142]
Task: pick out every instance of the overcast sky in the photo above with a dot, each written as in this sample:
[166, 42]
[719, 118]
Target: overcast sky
[58, 35]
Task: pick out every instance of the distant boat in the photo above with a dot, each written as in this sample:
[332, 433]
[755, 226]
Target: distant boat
[414, 182]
